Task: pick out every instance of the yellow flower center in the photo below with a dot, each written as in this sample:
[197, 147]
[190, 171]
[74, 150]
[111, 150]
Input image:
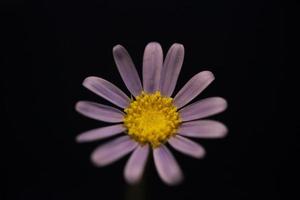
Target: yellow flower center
[151, 118]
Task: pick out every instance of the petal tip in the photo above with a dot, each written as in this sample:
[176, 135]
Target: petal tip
[175, 181]
[225, 104]
[78, 106]
[178, 45]
[208, 74]
[95, 160]
[222, 102]
[224, 132]
[200, 154]
[117, 49]
[87, 81]
[179, 49]
[78, 139]
[153, 46]
[131, 180]
[153, 43]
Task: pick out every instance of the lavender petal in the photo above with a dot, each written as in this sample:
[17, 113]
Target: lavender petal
[107, 90]
[134, 168]
[203, 108]
[127, 70]
[113, 151]
[99, 111]
[166, 165]
[152, 65]
[203, 129]
[100, 133]
[171, 69]
[187, 146]
[193, 88]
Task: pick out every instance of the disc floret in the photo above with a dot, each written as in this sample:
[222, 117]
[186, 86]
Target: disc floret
[151, 118]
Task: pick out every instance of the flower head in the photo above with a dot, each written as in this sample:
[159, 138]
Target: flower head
[152, 119]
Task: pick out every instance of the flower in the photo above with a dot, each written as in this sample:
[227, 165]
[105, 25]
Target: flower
[152, 118]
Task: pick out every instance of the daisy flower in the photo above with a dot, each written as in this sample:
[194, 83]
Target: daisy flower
[151, 119]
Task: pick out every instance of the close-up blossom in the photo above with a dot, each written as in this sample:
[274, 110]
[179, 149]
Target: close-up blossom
[153, 119]
[135, 100]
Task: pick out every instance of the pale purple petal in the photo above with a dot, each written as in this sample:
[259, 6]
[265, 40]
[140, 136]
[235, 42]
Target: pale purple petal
[99, 111]
[193, 88]
[166, 165]
[203, 108]
[152, 65]
[107, 90]
[171, 69]
[113, 151]
[187, 146]
[134, 168]
[100, 133]
[127, 70]
[203, 129]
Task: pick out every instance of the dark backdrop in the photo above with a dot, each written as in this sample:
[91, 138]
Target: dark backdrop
[51, 46]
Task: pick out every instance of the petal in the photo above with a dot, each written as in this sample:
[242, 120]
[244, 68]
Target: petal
[193, 88]
[152, 65]
[113, 151]
[166, 165]
[203, 108]
[99, 111]
[100, 133]
[135, 165]
[127, 70]
[107, 90]
[187, 146]
[203, 129]
[171, 69]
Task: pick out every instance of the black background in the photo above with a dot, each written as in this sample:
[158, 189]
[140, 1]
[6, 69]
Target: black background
[51, 46]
